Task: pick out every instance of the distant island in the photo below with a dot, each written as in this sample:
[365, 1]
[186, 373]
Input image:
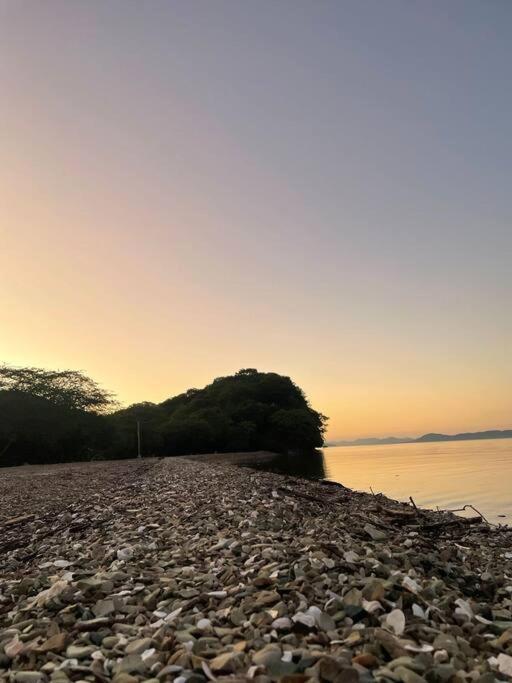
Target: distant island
[464, 436]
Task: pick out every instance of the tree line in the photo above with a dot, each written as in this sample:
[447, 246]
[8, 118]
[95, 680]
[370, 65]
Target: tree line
[63, 415]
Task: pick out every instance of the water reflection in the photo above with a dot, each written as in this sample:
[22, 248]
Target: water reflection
[445, 474]
[307, 465]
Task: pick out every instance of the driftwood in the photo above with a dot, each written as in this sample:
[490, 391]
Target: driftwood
[18, 520]
[471, 507]
[413, 503]
[402, 513]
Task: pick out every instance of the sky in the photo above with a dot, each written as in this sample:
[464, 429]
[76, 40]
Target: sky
[320, 189]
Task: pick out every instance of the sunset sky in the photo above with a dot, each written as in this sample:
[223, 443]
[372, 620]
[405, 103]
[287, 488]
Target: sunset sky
[322, 189]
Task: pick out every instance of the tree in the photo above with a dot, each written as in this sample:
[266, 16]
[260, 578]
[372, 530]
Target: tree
[51, 416]
[250, 410]
[65, 388]
[62, 415]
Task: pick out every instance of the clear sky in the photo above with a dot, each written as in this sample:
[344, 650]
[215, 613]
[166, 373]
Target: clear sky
[322, 189]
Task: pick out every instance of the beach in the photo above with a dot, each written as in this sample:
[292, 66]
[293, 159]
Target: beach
[195, 569]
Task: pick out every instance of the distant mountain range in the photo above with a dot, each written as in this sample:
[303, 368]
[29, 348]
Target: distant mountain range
[464, 436]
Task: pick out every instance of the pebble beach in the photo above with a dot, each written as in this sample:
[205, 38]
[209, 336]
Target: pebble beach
[196, 569]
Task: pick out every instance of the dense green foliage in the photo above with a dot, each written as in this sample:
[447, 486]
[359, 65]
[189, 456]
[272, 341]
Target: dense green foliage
[51, 416]
[48, 416]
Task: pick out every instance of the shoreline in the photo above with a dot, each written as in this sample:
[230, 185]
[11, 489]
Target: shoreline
[194, 568]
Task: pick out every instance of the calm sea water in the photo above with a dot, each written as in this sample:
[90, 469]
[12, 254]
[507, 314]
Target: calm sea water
[446, 474]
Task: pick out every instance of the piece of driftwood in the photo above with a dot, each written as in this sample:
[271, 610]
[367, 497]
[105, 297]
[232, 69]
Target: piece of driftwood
[413, 503]
[18, 520]
[396, 512]
[471, 507]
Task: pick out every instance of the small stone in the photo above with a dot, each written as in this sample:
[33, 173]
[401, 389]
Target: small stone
[307, 620]
[110, 642]
[504, 664]
[79, 651]
[396, 620]
[124, 678]
[365, 659]
[266, 598]
[408, 676]
[282, 624]
[374, 590]
[30, 677]
[204, 624]
[103, 608]
[237, 617]
[125, 553]
[217, 594]
[270, 654]
[138, 646]
[446, 642]
[227, 661]
[441, 656]
[444, 672]
[132, 664]
[14, 647]
[335, 670]
[55, 643]
[374, 533]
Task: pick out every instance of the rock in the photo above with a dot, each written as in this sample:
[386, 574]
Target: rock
[270, 654]
[237, 617]
[30, 677]
[282, 624]
[307, 620]
[374, 533]
[325, 622]
[50, 594]
[408, 676]
[204, 624]
[124, 678]
[138, 646]
[125, 553]
[266, 598]
[132, 664]
[79, 651]
[103, 608]
[504, 664]
[14, 647]
[109, 641]
[446, 642]
[336, 671]
[366, 659]
[56, 643]
[443, 673]
[227, 661]
[396, 621]
[373, 590]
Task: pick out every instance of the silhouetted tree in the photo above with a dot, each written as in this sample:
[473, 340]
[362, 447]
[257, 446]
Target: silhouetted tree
[67, 388]
[54, 416]
[51, 416]
[247, 411]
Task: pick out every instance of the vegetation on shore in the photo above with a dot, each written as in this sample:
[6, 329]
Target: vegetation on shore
[57, 416]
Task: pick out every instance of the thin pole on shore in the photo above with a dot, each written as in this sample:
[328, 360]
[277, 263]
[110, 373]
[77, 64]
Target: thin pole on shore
[138, 440]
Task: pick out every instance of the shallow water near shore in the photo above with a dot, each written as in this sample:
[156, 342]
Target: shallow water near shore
[447, 474]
